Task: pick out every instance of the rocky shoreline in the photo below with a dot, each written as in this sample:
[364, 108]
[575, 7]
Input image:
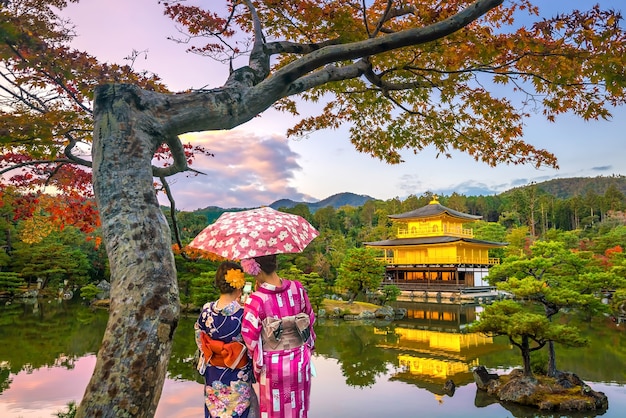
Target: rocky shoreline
[565, 392]
[386, 313]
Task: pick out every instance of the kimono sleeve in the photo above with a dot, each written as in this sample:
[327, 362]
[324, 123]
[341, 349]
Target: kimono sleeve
[308, 309]
[251, 330]
[200, 326]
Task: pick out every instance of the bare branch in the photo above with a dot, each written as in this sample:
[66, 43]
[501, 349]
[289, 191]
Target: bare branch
[244, 85]
[23, 93]
[259, 60]
[180, 160]
[35, 162]
[498, 69]
[170, 197]
[389, 15]
[385, 86]
[286, 47]
[52, 173]
[328, 74]
[68, 152]
[364, 11]
[259, 39]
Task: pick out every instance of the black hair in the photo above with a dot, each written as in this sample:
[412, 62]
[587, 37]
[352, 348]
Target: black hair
[267, 263]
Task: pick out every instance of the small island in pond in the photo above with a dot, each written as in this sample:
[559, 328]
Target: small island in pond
[565, 392]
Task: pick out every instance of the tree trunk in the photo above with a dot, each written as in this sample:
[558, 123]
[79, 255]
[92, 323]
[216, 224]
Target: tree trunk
[136, 347]
[552, 371]
[525, 348]
[550, 310]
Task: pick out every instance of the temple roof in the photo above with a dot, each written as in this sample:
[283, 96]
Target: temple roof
[430, 241]
[434, 208]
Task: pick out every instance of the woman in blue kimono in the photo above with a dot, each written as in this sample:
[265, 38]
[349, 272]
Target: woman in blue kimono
[224, 360]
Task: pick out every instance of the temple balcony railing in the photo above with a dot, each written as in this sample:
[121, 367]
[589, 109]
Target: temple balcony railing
[390, 260]
[429, 232]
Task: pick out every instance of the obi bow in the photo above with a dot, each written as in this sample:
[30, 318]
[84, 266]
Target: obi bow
[295, 328]
[303, 326]
[219, 353]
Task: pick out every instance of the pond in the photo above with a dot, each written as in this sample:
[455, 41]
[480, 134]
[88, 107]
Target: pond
[374, 369]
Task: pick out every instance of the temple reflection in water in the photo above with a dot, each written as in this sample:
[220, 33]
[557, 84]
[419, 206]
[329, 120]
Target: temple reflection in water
[433, 345]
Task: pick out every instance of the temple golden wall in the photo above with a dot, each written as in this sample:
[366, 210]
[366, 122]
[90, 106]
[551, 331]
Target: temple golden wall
[433, 227]
[441, 254]
[436, 340]
[438, 369]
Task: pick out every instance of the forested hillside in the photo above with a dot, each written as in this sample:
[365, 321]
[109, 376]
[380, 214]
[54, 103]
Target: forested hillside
[561, 204]
[580, 186]
[40, 233]
[53, 246]
[566, 203]
[564, 188]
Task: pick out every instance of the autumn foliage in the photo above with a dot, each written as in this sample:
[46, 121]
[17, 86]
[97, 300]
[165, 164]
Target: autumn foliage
[469, 91]
[192, 253]
[456, 75]
[41, 214]
[46, 119]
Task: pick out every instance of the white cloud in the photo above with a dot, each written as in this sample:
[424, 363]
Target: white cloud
[247, 170]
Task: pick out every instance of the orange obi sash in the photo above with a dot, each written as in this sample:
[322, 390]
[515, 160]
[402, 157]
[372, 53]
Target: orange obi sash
[218, 353]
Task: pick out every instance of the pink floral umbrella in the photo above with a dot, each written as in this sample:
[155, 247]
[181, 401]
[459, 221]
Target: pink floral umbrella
[255, 233]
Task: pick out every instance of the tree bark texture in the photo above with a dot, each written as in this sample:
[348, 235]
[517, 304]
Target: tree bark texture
[132, 361]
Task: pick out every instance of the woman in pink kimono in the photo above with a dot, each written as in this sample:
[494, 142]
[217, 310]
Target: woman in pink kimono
[277, 327]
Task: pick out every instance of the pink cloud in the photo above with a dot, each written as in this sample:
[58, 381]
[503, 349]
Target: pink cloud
[247, 170]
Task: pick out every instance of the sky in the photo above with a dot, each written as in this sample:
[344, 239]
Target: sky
[255, 164]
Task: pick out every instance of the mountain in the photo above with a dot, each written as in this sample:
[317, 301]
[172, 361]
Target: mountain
[564, 188]
[579, 186]
[336, 201]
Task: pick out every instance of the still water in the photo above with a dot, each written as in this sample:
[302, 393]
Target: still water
[374, 369]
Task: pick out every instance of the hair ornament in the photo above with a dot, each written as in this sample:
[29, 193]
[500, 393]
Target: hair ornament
[251, 266]
[235, 278]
